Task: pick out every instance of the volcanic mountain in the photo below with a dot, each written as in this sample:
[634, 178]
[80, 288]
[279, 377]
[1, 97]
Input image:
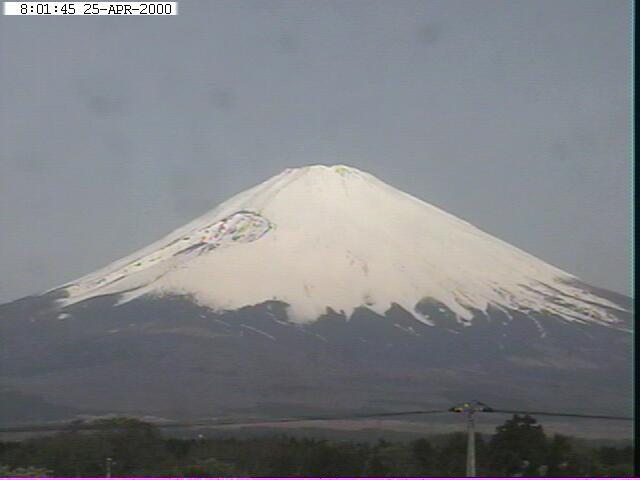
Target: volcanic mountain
[321, 289]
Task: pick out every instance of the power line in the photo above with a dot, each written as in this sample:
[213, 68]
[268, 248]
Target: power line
[210, 423]
[238, 422]
[559, 414]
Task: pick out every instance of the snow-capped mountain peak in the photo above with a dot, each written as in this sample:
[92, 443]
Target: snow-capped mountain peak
[336, 237]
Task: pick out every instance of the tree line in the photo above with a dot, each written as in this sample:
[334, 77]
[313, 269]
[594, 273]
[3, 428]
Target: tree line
[132, 448]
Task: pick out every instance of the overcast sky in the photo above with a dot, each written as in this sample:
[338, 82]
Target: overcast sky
[513, 115]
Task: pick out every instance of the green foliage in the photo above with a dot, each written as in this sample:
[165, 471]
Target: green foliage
[207, 468]
[519, 448]
[558, 455]
[424, 454]
[23, 472]
[610, 456]
[135, 447]
[615, 462]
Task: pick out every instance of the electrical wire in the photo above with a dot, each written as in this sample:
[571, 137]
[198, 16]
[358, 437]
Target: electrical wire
[209, 423]
[560, 414]
[75, 426]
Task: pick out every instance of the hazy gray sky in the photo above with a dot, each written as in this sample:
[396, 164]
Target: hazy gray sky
[513, 115]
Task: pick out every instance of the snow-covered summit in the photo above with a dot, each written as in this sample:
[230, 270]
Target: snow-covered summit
[334, 236]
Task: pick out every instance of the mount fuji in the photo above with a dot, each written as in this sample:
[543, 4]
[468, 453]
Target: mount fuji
[320, 289]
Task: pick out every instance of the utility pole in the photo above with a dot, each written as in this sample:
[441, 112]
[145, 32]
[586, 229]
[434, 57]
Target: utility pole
[471, 445]
[109, 462]
[469, 408]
